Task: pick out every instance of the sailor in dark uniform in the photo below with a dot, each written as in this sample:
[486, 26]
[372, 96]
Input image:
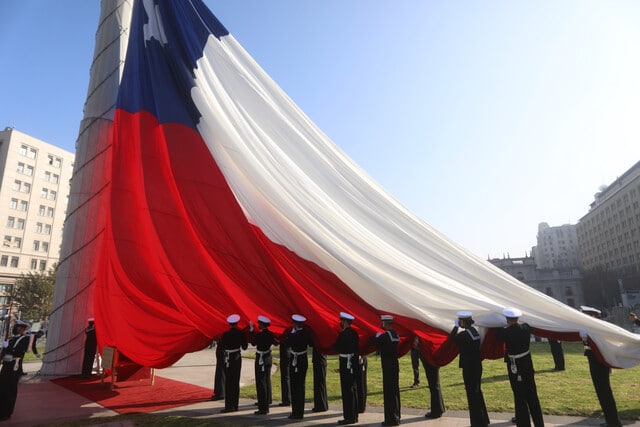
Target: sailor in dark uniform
[90, 348]
[517, 338]
[347, 346]
[436, 408]
[263, 340]
[298, 340]
[387, 344]
[600, 376]
[233, 341]
[557, 353]
[12, 353]
[320, 400]
[285, 380]
[468, 340]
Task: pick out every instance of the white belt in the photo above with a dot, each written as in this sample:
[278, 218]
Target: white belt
[227, 353]
[7, 358]
[513, 357]
[294, 360]
[348, 356]
[260, 360]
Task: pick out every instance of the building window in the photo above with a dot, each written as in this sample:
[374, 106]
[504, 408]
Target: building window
[17, 242]
[45, 247]
[32, 153]
[23, 150]
[42, 210]
[16, 185]
[24, 205]
[43, 265]
[14, 261]
[13, 204]
[4, 261]
[39, 227]
[47, 176]
[6, 242]
[36, 245]
[55, 178]
[10, 222]
[34, 263]
[26, 187]
[52, 195]
[28, 170]
[54, 161]
[50, 212]
[47, 229]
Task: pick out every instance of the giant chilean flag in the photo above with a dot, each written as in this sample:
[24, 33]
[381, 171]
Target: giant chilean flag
[225, 198]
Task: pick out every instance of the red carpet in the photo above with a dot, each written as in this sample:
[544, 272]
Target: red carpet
[136, 396]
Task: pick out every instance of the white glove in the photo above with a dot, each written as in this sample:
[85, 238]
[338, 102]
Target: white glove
[456, 323]
[378, 334]
[250, 325]
[38, 355]
[17, 364]
[583, 334]
[5, 344]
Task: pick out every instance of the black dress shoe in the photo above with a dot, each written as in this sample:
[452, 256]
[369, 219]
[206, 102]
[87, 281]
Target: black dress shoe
[295, 417]
[214, 397]
[432, 416]
[345, 422]
[319, 410]
[260, 412]
[514, 420]
[227, 410]
[284, 404]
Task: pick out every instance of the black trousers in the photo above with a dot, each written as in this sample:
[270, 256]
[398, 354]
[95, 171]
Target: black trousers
[361, 385]
[525, 396]
[8, 388]
[348, 388]
[88, 359]
[391, 394]
[477, 408]
[298, 375]
[602, 384]
[557, 353]
[285, 379]
[232, 382]
[263, 382]
[218, 378]
[320, 400]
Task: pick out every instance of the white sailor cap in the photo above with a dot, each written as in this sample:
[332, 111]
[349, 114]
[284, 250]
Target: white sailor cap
[464, 314]
[587, 309]
[386, 318]
[511, 312]
[91, 319]
[298, 318]
[21, 323]
[264, 319]
[346, 316]
[234, 318]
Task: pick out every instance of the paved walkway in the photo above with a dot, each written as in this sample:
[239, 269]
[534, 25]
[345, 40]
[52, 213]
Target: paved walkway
[41, 402]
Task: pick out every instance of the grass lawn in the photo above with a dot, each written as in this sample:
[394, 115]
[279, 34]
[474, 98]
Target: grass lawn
[569, 392]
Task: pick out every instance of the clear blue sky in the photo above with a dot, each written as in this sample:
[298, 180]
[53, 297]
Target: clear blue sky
[484, 118]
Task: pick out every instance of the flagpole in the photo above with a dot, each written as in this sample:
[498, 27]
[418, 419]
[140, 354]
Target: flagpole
[84, 224]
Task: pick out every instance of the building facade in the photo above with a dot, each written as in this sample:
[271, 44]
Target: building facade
[557, 247]
[563, 284]
[34, 190]
[609, 234]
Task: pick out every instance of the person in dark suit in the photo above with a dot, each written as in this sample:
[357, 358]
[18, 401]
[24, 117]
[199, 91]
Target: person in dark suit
[517, 337]
[347, 347]
[263, 340]
[298, 341]
[600, 376]
[33, 346]
[320, 400]
[557, 353]
[12, 353]
[90, 348]
[232, 342]
[470, 360]
[433, 380]
[387, 344]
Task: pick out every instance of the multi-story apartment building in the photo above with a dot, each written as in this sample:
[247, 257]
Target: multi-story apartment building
[557, 247]
[609, 234]
[34, 189]
[563, 284]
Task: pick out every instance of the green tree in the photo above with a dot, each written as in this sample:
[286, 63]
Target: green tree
[34, 293]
